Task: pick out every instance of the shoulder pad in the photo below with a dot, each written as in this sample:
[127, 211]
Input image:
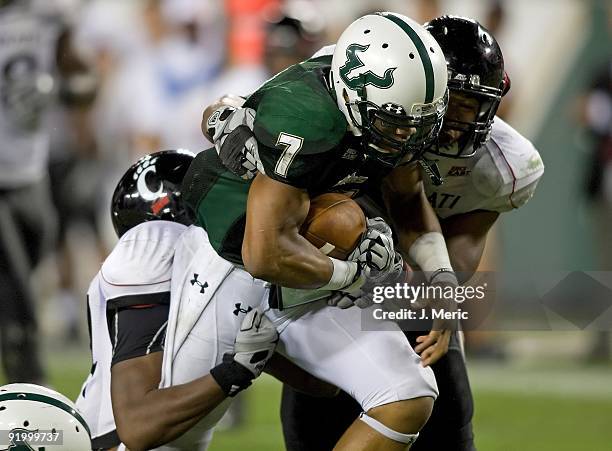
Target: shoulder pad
[142, 258]
[509, 169]
[300, 109]
[514, 200]
[327, 50]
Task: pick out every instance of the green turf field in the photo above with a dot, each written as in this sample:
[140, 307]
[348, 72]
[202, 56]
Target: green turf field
[518, 408]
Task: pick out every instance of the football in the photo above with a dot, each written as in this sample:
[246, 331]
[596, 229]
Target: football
[335, 224]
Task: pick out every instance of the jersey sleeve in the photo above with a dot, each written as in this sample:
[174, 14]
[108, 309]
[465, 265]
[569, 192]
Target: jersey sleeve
[300, 171]
[135, 283]
[516, 199]
[327, 50]
[137, 330]
[298, 128]
[141, 262]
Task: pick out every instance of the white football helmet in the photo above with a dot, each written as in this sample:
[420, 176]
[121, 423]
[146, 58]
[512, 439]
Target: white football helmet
[34, 417]
[388, 72]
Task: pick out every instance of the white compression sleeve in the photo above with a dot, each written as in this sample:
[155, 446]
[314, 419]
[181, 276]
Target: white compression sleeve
[344, 274]
[430, 253]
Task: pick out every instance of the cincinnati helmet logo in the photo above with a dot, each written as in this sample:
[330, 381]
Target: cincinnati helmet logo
[365, 78]
[147, 166]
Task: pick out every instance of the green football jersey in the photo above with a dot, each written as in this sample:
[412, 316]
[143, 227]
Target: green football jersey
[302, 140]
[301, 133]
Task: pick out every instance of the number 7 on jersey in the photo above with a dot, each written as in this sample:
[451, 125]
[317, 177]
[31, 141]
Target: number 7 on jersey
[292, 145]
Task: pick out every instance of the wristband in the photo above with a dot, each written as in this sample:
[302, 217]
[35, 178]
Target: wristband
[231, 376]
[343, 275]
[444, 275]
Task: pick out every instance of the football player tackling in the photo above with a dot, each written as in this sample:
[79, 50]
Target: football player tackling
[128, 306]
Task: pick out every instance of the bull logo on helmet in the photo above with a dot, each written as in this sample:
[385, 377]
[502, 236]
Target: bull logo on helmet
[365, 78]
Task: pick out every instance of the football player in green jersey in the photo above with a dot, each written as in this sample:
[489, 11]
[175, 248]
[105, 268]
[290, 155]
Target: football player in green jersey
[330, 123]
[333, 124]
[325, 124]
[478, 84]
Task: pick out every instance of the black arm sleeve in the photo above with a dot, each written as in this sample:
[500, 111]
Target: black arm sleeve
[137, 327]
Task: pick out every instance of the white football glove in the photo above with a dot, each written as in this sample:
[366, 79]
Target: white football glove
[255, 342]
[254, 345]
[232, 134]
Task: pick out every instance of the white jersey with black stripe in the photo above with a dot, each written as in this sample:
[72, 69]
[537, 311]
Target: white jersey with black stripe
[501, 176]
[140, 265]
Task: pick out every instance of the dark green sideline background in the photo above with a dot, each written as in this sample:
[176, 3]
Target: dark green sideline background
[554, 230]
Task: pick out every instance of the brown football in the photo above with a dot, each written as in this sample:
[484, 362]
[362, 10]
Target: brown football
[335, 224]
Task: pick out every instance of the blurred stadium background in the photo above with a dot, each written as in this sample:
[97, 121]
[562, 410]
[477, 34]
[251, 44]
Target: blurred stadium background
[137, 76]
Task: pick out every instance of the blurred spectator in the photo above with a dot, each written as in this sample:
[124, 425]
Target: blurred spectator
[597, 118]
[27, 218]
[496, 16]
[292, 35]
[73, 164]
[495, 21]
[151, 56]
[184, 52]
[109, 33]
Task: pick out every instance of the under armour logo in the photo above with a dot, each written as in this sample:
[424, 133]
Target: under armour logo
[394, 108]
[234, 389]
[202, 286]
[239, 309]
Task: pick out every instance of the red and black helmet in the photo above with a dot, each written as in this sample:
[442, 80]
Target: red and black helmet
[151, 190]
[476, 69]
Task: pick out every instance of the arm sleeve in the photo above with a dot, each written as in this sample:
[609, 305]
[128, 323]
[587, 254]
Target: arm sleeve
[137, 325]
[299, 130]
